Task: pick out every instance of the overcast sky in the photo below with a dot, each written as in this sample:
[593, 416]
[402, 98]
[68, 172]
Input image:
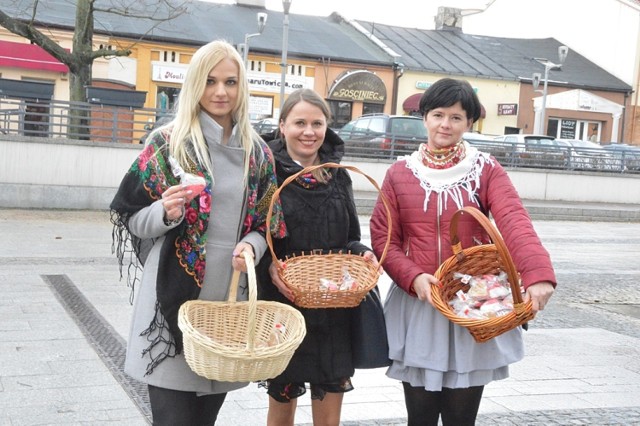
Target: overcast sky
[564, 20]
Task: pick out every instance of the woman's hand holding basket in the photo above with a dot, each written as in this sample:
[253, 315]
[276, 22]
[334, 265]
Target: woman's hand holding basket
[238, 261]
[539, 294]
[421, 286]
[277, 281]
[371, 257]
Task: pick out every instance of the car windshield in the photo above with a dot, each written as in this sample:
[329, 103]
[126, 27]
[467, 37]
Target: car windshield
[408, 127]
[539, 140]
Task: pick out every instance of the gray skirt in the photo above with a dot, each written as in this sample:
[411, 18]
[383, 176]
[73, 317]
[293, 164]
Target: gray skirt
[430, 351]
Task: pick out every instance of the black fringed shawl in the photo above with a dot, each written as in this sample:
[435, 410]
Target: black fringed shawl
[182, 259]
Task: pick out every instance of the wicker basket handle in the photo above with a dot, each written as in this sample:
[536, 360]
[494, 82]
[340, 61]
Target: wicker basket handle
[309, 169]
[496, 238]
[253, 296]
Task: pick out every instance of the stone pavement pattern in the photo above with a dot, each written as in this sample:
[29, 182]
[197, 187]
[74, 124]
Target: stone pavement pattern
[64, 318]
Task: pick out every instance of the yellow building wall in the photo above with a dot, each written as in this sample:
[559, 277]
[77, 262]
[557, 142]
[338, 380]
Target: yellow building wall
[490, 92]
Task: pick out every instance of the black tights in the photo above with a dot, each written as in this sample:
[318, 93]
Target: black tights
[172, 408]
[458, 407]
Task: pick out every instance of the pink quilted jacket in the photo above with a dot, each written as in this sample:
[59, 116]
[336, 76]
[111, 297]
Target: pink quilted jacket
[420, 240]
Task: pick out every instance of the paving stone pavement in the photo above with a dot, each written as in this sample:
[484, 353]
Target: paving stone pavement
[64, 318]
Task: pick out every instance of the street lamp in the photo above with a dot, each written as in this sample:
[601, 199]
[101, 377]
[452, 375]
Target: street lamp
[286, 4]
[563, 51]
[262, 21]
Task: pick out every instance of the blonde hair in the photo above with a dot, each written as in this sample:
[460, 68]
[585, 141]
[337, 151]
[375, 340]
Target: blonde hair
[185, 127]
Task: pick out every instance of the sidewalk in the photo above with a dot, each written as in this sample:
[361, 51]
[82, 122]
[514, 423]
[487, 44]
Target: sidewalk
[65, 316]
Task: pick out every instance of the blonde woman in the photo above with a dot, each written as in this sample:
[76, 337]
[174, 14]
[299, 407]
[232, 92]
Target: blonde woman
[185, 241]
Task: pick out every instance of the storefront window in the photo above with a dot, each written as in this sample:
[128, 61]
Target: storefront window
[372, 108]
[566, 128]
[166, 99]
[341, 113]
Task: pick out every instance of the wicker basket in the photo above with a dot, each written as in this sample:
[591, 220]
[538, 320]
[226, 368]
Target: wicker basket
[302, 273]
[236, 341]
[478, 260]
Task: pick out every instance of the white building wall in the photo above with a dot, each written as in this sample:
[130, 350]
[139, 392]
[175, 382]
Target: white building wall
[45, 173]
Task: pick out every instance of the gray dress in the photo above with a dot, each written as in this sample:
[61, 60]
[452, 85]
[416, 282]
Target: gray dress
[228, 197]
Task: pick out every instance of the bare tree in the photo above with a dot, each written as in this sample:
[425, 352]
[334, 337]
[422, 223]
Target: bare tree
[80, 58]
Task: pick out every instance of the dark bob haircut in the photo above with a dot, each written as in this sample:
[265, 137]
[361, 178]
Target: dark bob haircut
[447, 92]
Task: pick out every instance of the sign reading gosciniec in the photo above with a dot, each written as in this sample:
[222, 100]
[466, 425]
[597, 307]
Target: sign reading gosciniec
[361, 85]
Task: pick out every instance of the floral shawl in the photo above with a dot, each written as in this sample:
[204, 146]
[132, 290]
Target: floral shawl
[182, 262]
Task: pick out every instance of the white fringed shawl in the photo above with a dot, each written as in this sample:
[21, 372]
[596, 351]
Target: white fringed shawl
[455, 182]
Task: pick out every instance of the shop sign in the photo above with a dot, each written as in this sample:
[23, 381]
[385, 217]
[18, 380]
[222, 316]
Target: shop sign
[270, 82]
[360, 85]
[507, 109]
[169, 74]
[568, 129]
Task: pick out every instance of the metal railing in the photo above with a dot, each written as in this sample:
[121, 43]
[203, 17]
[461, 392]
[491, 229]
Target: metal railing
[95, 122]
[101, 123]
[564, 158]
[387, 146]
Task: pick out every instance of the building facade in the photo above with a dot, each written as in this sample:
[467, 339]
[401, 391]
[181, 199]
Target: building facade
[358, 67]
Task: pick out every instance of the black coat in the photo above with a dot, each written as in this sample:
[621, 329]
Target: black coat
[324, 218]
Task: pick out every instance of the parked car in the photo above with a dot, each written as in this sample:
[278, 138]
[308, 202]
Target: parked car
[587, 155]
[627, 157]
[266, 125]
[502, 151]
[529, 150]
[383, 135]
[475, 137]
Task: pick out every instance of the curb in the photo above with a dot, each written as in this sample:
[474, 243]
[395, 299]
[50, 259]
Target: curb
[544, 210]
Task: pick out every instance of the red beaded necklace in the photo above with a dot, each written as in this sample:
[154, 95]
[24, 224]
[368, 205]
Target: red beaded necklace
[443, 158]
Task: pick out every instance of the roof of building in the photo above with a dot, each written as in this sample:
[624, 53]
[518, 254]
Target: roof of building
[333, 38]
[456, 53]
[313, 37]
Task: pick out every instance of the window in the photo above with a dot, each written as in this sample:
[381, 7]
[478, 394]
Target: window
[257, 66]
[361, 126]
[579, 129]
[169, 56]
[378, 125]
[372, 108]
[340, 112]
[553, 127]
[166, 98]
[299, 70]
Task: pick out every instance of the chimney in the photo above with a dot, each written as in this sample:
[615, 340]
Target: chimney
[449, 19]
[252, 3]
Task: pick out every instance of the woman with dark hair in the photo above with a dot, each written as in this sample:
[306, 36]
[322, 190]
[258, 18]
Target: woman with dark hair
[320, 214]
[442, 369]
[190, 204]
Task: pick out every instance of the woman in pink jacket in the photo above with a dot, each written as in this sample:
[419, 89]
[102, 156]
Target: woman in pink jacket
[442, 369]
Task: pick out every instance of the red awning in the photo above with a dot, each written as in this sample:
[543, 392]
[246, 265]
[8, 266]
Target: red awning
[412, 104]
[28, 56]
